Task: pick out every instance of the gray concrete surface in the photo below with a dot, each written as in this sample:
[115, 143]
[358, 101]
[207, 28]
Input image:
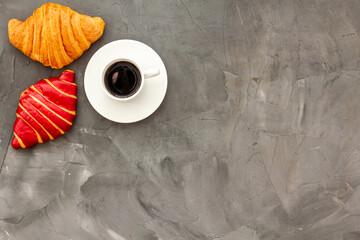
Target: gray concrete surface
[258, 136]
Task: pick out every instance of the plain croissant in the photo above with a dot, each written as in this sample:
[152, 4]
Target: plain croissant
[46, 110]
[55, 35]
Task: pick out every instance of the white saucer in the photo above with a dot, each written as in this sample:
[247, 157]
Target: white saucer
[146, 102]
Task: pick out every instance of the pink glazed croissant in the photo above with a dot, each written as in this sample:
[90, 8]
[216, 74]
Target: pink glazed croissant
[46, 110]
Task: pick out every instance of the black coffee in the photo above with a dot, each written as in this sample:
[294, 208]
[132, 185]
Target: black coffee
[122, 79]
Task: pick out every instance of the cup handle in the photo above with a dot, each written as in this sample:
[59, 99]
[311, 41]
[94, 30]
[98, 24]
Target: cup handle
[151, 73]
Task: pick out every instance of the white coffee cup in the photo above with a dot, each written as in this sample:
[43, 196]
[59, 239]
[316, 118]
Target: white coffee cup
[144, 74]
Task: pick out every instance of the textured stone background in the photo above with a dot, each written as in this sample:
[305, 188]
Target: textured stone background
[257, 138]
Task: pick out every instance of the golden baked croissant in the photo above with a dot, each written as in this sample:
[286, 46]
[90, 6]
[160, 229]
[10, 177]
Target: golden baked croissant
[55, 35]
[46, 110]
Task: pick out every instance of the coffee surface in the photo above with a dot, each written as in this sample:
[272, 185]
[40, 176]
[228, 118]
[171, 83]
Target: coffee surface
[122, 79]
